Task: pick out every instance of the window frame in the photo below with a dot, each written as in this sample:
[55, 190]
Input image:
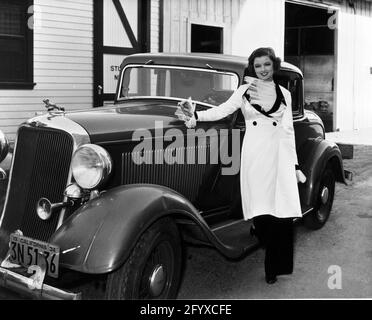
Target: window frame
[119, 96]
[28, 82]
[297, 112]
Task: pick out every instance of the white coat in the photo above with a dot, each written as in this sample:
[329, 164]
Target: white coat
[268, 157]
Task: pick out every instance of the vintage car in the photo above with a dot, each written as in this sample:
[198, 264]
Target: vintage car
[112, 195]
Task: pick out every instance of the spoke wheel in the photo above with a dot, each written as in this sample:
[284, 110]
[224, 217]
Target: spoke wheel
[153, 270]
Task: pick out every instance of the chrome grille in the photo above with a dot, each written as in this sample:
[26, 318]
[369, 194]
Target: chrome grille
[40, 169]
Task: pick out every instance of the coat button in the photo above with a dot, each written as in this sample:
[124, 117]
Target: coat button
[275, 124]
[254, 123]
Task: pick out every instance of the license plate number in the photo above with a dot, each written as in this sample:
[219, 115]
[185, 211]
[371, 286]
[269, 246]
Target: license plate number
[26, 252]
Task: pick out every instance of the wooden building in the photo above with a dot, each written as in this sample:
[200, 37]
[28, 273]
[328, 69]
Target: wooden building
[69, 51]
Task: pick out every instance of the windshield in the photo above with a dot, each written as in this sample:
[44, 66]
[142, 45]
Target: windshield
[205, 86]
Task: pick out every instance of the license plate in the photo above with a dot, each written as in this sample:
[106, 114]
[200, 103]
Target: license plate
[26, 252]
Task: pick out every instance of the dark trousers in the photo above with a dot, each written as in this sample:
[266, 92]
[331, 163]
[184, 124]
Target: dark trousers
[276, 235]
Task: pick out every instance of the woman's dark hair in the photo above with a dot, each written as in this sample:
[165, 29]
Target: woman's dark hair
[260, 52]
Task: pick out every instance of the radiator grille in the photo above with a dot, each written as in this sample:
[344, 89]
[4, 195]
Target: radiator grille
[41, 168]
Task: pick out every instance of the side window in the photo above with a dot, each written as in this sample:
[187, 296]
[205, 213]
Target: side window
[293, 87]
[16, 44]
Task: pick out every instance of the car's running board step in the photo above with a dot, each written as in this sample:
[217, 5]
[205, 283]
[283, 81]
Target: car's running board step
[237, 234]
[233, 239]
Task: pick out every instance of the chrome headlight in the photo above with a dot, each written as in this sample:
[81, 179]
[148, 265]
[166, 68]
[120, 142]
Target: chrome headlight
[4, 146]
[91, 165]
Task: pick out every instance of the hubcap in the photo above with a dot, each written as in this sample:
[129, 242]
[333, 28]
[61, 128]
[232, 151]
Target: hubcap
[324, 195]
[157, 280]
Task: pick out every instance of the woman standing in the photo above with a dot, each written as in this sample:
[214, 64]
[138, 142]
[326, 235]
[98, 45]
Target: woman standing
[269, 169]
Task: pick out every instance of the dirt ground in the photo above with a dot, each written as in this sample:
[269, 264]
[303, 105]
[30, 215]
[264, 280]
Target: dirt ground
[345, 243]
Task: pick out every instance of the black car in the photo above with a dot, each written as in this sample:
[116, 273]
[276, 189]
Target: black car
[113, 194]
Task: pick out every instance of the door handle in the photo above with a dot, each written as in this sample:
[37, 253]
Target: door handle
[99, 89]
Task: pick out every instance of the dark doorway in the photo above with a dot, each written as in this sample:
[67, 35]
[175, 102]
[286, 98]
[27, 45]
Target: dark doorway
[206, 39]
[310, 45]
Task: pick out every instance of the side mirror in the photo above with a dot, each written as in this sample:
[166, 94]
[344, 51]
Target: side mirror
[4, 146]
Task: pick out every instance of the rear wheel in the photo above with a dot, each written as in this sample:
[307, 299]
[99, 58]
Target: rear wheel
[319, 216]
[153, 270]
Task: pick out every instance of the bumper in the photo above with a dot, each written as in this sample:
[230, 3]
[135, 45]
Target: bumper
[25, 285]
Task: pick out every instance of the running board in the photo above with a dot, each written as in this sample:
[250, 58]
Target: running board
[231, 238]
[237, 234]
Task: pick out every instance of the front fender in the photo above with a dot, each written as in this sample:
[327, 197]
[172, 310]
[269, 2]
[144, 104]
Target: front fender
[314, 155]
[99, 236]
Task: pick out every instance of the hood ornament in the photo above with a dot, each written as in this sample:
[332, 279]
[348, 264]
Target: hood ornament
[53, 108]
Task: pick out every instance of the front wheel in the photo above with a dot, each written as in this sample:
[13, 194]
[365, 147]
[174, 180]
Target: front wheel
[153, 270]
[319, 216]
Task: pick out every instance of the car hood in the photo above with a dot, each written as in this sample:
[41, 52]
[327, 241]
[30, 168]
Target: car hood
[118, 122]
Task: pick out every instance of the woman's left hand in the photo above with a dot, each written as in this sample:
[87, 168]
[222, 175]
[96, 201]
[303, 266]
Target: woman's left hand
[187, 107]
[301, 178]
[185, 112]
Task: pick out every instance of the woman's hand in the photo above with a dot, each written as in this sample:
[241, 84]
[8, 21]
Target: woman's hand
[187, 107]
[301, 178]
[250, 80]
[185, 112]
[252, 89]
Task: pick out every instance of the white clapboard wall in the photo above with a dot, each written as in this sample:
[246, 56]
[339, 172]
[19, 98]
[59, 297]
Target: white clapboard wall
[240, 20]
[63, 63]
[354, 66]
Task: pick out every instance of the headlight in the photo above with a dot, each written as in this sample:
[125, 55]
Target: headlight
[4, 146]
[91, 165]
